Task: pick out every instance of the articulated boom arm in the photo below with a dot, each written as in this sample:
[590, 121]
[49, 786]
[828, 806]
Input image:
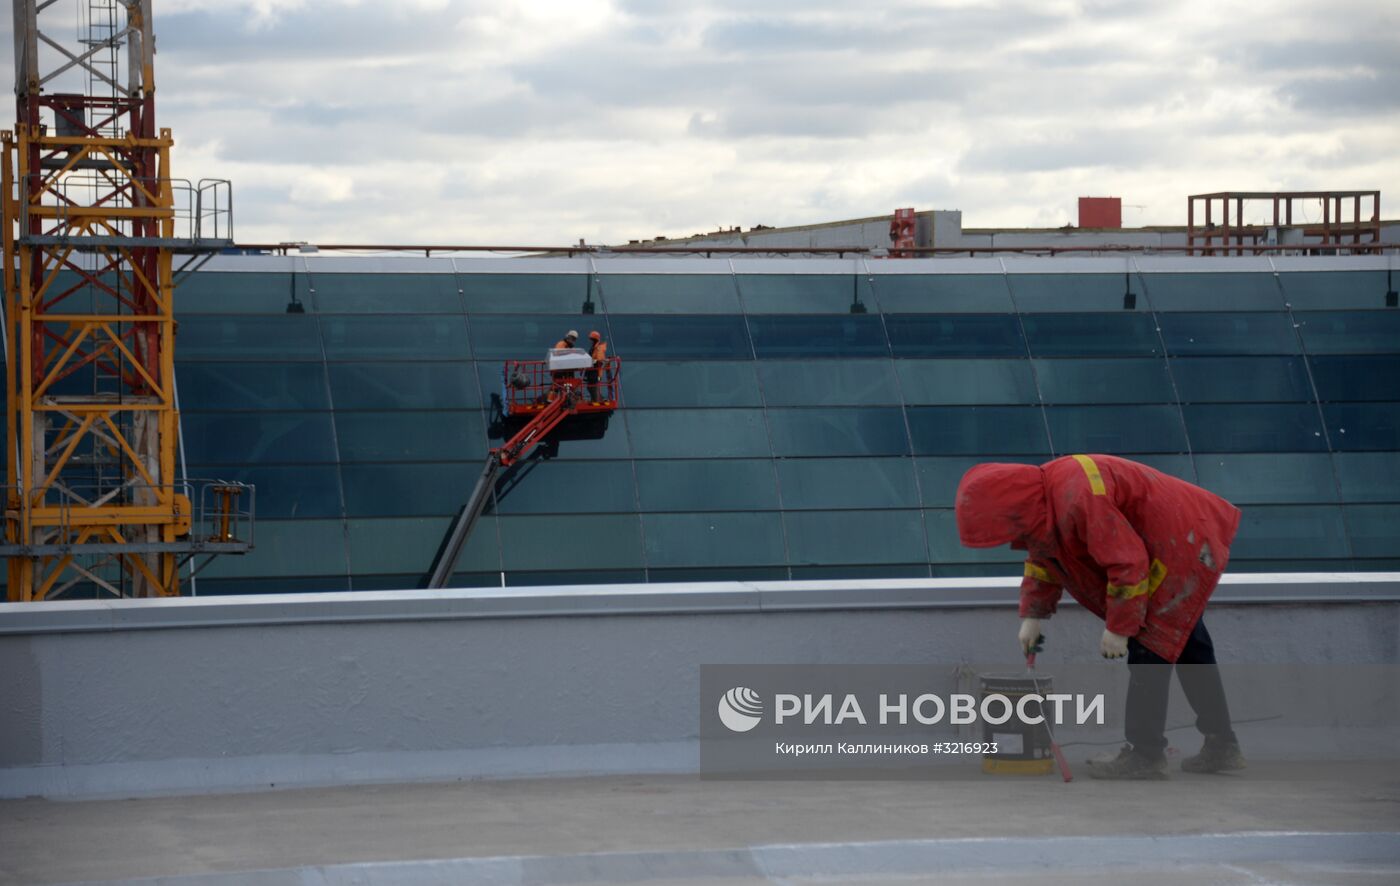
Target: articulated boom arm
[565, 400]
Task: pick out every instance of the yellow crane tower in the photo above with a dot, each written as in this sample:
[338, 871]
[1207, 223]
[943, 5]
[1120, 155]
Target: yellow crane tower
[93, 226]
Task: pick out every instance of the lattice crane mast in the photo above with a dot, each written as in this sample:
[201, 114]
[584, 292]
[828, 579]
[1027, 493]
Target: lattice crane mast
[93, 222]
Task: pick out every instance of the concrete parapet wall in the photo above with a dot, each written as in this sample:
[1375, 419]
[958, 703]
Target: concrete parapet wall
[126, 697]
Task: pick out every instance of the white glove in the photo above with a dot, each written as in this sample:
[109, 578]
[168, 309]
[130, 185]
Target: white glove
[1029, 634]
[1113, 645]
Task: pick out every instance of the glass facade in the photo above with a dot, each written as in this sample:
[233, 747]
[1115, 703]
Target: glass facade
[776, 425]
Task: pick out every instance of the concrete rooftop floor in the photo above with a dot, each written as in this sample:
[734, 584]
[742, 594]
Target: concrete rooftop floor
[1274, 823]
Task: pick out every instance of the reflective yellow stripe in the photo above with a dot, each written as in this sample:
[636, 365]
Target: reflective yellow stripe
[1091, 471]
[1035, 572]
[1156, 574]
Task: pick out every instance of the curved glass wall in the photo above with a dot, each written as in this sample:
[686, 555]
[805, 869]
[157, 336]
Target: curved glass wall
[789, 425]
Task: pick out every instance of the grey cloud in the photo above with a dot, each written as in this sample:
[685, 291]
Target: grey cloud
[812, 121]
[1087, 149]
[963, 31]
[355, 32]
[1366, 94]
[1300, 55]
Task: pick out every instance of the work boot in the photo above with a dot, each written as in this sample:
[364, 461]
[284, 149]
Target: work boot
[1219, 753]
[1130, 764]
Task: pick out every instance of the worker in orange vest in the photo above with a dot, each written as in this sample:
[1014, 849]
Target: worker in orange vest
[599, 353]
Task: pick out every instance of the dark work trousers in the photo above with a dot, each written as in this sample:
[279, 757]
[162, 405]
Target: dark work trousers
[1149, 683]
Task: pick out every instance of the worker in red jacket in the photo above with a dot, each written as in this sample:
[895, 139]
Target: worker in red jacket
[1139, 549]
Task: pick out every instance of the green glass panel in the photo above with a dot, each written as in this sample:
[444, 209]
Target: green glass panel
[406, 385]
[943, 293]
[978, 430]
[529, 293]
[1241, 379]
[1290, 532]
[707, 485]
[410, 436]
[1351, 332]
[1269, 478]
[1213, 292]
[792, 335]
[1362, 377]
[817, 538]
[595, 541]
[1254, 427]
[1116, 430]
[704, 540]
[805, 293]
[422, 337]
[524, 337]
[227, 386]
[1091, 335]
[1356, 427]
[1107, 380]
[438, 489]
[847, 431]
[1368, 476]
[957, 382]
[258, 437]
[839, 483]
[955, 335]
[697, 433]
[566, 487]
[670, 293]
[1228, 333]
[238, 292]
[1050, 293]
[828, 382]
[658, 337]
[410, 546]
[1334, 290]
[689, 384]
[385, 293]
[1374, 530]
[280, 337]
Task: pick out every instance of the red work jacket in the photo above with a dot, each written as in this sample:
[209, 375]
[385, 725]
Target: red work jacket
[1140, 549]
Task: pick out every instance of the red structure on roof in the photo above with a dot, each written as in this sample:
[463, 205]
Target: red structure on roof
[1100, 212]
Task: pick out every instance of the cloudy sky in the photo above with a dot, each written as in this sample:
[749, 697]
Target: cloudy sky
[463, 121]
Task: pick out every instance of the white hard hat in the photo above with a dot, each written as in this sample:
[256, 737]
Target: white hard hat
[572, 333]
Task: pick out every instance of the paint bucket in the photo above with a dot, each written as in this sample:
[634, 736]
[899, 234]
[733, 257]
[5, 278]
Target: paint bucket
[1022, 748]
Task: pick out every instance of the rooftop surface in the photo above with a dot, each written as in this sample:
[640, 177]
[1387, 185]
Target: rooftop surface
[1273, 823]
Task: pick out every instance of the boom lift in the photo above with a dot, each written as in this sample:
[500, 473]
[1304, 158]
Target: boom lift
[544, 393]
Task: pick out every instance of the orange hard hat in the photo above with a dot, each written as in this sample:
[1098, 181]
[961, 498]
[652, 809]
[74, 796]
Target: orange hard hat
[594, 335]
